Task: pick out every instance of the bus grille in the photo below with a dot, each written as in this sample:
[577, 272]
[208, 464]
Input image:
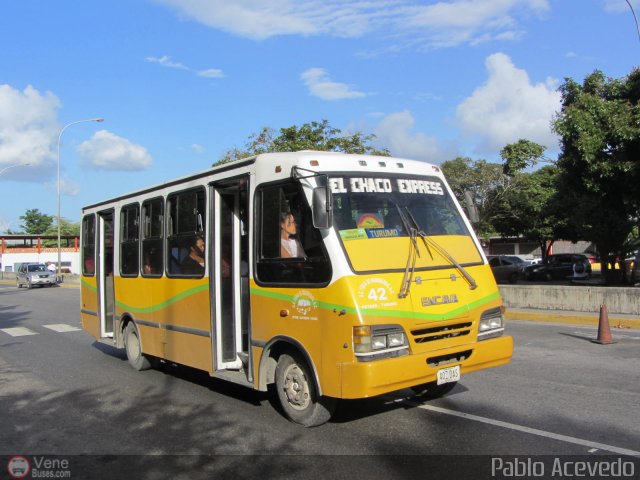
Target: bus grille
[425, 335]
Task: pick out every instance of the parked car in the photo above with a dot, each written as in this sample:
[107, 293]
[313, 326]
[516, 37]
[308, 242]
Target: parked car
[522, 262]
[557, 266]
[506, 268]
[32, 274]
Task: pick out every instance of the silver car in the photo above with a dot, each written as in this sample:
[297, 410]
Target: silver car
[31, 274]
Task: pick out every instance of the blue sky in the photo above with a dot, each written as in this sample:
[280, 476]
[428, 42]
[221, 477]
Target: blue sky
[179, 82]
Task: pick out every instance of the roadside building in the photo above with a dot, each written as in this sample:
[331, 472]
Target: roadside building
[16, 249]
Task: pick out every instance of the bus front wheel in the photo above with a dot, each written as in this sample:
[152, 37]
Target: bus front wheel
[134, 350]
[298, 395]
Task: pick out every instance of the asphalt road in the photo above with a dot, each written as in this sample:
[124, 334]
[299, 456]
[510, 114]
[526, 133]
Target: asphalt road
[63, 394]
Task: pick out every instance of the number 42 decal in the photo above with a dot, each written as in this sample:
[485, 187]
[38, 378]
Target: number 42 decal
[377, 294]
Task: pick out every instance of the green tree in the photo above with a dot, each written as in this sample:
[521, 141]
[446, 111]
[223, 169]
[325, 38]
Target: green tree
[599, 126]
[528, 207]
[480, 178]
[520, 155]
[34, 222]
[66, 228]
[525, 205]
[310, 136]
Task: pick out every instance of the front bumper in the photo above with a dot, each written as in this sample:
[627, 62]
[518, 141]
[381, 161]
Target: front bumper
[42, 280]
[367, 379]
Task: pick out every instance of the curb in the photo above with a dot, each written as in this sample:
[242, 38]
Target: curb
[61, 285]
[581, 318]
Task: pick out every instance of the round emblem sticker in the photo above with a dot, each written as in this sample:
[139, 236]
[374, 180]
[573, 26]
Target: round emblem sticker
[18, 467]
[304, 303]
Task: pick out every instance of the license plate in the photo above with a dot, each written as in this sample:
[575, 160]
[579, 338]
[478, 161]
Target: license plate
[448, 375]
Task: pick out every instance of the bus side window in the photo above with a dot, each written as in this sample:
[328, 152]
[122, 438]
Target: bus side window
[129, 240]
[305, 263]
[185, 226]
[88, 245]
[152, 238]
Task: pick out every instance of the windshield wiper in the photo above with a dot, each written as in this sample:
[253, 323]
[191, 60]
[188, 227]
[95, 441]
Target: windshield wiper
[425, 238]
[411, 259]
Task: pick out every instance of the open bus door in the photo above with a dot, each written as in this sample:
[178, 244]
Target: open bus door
[230, 276]
[105, 271]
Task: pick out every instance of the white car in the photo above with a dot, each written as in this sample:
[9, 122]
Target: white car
[32, 274]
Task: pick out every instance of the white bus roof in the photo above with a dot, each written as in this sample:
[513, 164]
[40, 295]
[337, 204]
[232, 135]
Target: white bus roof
[321, 161]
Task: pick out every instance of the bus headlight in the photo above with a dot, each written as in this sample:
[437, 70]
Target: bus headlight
[372, 342]
[379, 342]
[491, 324]
[396, 339]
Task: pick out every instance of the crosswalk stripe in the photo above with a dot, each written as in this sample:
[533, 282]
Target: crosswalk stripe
[24, 331]
[18, 331]
[62, 328]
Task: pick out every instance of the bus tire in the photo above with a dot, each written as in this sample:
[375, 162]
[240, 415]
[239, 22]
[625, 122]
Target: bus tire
[430, 391]
[297, 392]
[133, 348]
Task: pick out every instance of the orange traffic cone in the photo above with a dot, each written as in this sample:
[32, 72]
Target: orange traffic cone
[604, 332]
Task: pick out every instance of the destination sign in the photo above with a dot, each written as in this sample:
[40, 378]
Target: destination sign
[385, 185]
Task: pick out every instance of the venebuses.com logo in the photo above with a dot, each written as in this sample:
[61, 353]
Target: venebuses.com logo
[38, 467]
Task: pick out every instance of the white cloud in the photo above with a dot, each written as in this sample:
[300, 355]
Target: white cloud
[197, 148]
[395, 132]
[28, 127]
[107, 151]
[320, 85]
[211, 73]
[439, 24]
[508, 107]
[69, 187]
[256, 19]
[167, 62]
[619, 6]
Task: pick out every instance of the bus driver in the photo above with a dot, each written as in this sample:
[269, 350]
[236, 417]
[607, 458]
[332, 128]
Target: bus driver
[290, 246]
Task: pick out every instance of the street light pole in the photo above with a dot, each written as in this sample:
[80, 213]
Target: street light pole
[58, 183]
[12, 166]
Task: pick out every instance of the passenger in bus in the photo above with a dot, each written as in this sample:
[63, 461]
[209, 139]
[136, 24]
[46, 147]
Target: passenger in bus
[290, 246]
[193, 264]
[152, 261]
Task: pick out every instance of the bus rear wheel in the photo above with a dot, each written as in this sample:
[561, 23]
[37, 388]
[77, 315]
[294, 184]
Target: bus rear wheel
[298, 394]
[133, 347]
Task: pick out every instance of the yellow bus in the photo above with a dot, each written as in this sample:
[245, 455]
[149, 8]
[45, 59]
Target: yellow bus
[330, 276]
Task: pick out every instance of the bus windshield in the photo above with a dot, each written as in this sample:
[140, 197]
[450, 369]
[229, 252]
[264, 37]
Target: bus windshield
[375, 216]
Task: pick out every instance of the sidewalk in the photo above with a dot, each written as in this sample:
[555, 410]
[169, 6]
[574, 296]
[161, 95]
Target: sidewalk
[616, 320]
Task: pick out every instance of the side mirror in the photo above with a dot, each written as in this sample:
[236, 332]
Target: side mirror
[470, 206]
[322, 210]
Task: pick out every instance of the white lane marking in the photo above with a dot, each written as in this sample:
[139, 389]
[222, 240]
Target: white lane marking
[62, 328]
[532, 431]
[18, 331]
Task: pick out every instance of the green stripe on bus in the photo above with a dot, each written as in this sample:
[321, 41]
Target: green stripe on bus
[383, 313]
[166, 303]
[88, 285]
